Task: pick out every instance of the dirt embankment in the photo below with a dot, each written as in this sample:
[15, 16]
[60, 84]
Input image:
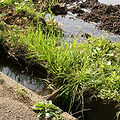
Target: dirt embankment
[22, 19]
[107, 16]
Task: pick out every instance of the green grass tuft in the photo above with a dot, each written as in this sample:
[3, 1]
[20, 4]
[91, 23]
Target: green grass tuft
[77, 66]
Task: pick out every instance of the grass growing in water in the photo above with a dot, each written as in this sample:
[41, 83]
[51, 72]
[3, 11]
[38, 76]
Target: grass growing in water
[76, 66]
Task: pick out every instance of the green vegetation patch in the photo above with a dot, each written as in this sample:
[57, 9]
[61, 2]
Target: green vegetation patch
[76, 66]
[48, 111]
[8, 2]
[22, 93]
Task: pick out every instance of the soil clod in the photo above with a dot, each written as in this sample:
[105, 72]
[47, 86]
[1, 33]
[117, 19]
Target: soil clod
[59, 9]
[107, 16]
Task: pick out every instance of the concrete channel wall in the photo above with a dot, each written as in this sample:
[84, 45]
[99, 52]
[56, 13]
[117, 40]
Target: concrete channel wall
[34, 97]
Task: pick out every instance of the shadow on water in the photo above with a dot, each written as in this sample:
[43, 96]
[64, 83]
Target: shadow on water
[33, 83]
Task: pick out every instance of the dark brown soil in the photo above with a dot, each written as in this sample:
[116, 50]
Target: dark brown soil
[68, 1]
[21, 19]
[12, 17]
[99, 109]
[59, 9]
[107, 16]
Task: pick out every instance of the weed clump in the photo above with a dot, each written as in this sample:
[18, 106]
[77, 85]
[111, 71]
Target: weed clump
[48, 111]
[76, 66]
[22, 93]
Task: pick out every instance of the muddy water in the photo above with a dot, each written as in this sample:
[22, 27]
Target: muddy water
[33, 83]
[76, 27]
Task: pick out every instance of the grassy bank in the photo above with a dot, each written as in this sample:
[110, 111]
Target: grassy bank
[78, 67]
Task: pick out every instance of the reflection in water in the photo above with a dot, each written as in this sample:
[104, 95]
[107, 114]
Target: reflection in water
[35, 84]
[113, 2]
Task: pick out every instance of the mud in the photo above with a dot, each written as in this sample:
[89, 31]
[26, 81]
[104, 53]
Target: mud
[22, 19]
[99, 109]
[68, 1]
[59, 9]
[107, 16]
[12, 17]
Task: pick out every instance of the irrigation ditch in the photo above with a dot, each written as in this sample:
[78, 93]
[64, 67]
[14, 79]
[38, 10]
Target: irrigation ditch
[78, 19]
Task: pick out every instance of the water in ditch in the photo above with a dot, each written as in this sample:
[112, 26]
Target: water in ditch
[33, 83]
